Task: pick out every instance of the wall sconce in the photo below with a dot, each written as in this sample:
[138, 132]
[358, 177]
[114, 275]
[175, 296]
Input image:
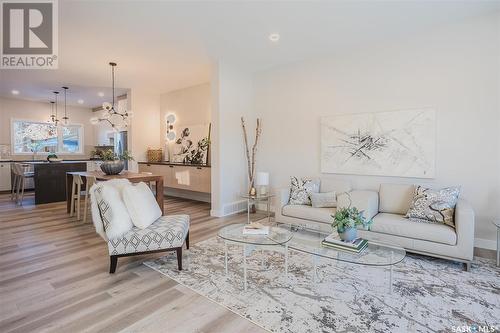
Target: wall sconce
[170, 126]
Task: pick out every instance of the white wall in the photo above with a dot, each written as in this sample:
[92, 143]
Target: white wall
[23, 109]
[232, 97]
[191, 106]
[145, 125]
[454, 70]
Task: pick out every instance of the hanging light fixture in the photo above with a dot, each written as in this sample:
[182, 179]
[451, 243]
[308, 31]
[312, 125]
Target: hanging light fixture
[118, 120]
[54, 117]
[65, 118]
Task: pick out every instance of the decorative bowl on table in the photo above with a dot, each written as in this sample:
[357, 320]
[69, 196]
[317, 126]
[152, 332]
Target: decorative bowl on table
[112, 167]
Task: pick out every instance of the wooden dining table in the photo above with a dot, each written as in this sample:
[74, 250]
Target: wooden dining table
[133, 177]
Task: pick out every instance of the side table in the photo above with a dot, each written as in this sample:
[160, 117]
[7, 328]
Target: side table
[496, 223]
[258, 198]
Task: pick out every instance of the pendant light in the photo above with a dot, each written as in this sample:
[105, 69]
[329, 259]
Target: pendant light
[111, 114]
[56, 120]
[65, 118]
[52, 115]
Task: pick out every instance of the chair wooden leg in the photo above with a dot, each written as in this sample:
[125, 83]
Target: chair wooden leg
[179, 258]
[187, 241]
[78, 198]
[113, 261]
[13, 190]
[86, 205]
[23, 181]
[72, 205]
[18, 188]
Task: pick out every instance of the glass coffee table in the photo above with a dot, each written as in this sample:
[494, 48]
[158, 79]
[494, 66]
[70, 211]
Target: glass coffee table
[276, 240]
[375, 254]
[284, 237]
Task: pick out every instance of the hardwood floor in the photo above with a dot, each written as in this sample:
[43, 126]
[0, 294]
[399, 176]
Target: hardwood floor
[54, 277]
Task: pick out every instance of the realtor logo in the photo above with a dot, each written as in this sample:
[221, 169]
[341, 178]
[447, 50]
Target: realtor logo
[29, 34]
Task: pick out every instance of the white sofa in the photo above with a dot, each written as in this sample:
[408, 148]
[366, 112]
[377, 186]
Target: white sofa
[387, 208]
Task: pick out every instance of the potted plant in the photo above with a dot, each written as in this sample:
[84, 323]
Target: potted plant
[113, 163]
[346, 220]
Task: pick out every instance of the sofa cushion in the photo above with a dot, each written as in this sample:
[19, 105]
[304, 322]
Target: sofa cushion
[300, 190]
[398, 225]
[323, 215]
[436, 206]
[324, 200]
[165, 233]
[395, 198]
[334, 185]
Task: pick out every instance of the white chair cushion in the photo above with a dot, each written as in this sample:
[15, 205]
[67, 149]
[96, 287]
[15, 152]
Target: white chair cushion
[323, 215]
[398, 225]
[395, 198]
[109, 213]
[165, 233]
[141, 205]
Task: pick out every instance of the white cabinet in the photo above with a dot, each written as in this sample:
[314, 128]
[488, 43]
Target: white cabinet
[5, 183]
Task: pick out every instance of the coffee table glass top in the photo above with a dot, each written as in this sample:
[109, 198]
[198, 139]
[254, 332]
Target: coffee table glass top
[375, 254]
[276, 236]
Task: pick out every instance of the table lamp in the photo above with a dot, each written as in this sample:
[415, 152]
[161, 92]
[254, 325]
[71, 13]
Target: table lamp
[262, 182]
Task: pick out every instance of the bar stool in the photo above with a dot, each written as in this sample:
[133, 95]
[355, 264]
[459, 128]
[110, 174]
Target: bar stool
[76, 189]
[90, 180]
[21, 173]
[76, 193]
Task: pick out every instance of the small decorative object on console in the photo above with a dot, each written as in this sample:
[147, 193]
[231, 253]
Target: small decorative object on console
[154, 155]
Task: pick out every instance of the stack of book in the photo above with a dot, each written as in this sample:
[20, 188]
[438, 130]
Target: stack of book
[335, 242]
[255, 228]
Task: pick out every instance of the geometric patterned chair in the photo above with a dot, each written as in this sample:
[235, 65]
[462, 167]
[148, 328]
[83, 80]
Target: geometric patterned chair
[167, 233]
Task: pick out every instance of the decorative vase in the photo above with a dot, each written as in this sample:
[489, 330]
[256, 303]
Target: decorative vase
[349, 234]
[112, 167]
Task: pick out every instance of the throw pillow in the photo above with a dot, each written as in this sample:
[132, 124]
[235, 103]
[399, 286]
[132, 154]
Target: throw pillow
[324, 200]
[141, 205]
[109, 213]
[300, 191]
[436, 206]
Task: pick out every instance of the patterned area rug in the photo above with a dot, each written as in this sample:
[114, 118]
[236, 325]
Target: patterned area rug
[429, 295]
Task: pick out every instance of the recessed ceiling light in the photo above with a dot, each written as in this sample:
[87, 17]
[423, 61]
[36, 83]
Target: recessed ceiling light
[80, 101]
[100, 94]
[15, 92]
[274, 37]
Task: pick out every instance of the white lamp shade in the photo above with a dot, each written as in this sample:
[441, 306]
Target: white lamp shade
[262, 178]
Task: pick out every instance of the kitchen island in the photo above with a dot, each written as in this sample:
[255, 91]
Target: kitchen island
[50, 179]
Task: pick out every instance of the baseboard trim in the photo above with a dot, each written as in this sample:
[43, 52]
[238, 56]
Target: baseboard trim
[230, 209]
[482, 243]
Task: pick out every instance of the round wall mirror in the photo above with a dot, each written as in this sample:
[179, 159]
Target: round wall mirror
[171, 118]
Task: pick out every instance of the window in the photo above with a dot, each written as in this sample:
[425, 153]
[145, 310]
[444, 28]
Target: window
[32, 136]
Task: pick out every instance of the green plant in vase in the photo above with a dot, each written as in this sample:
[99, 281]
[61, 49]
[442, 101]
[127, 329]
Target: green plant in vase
[346, 220]
[113, 163]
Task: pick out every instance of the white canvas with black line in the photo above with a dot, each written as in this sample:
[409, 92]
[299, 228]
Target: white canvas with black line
[395, 143]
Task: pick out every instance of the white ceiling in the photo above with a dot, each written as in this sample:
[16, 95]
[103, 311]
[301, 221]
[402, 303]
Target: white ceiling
[164, 46]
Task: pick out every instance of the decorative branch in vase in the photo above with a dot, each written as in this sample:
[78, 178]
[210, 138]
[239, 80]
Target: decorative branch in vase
[251, 158]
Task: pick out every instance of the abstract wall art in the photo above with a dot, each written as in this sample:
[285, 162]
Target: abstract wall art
[395, 143]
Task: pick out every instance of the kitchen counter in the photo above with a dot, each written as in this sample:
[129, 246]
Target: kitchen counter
[176, 164]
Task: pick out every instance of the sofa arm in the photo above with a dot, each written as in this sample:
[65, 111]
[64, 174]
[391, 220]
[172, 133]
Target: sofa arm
[464, 227]
[367, 201]
[283, 197]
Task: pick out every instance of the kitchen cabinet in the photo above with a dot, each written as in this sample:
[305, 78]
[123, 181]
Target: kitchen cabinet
[5, 179]
[184, 177]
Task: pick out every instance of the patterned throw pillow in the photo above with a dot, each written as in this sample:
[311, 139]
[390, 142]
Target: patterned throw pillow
[434, 206]
[300, 191]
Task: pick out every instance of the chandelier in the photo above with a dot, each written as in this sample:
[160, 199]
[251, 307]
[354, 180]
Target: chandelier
[118, 119]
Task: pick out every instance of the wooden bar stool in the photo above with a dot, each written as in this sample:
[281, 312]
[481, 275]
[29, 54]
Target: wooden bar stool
[90, 180]
[76, 189]
[21, 173]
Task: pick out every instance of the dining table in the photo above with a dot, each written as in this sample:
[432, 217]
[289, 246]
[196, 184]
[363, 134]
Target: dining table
[133, 177]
